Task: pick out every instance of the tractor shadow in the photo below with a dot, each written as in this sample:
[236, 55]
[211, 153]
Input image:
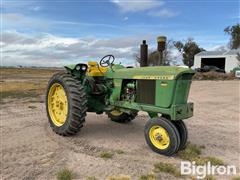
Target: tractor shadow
[99, 130]
[101, 126]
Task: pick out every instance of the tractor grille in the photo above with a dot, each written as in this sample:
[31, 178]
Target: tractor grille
[146, 91]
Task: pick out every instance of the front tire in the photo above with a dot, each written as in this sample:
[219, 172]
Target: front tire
[66, 104]
[162, 136]
[183, 132]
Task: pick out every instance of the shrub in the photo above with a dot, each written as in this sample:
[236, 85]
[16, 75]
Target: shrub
[65, 174]
[212, 75]
[167, 168]
[106, 155]
[192, 153]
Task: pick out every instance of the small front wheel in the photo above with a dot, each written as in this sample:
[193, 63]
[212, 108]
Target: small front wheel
[162, 136]
[183, 132]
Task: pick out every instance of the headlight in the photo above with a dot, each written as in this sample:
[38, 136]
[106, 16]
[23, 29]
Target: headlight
[84, 68]
[78, 67]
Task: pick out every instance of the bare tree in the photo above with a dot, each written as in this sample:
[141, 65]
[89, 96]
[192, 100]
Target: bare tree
[238, 58]
[188, 49]
[234, 32]
[153, 57]
[137, 60]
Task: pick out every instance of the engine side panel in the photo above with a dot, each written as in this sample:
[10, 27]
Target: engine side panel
[165, 92]
[146, 90]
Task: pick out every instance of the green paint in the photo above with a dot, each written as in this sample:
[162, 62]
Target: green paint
[152, 114]
[164, 92]
[130, 73]
[172, 86]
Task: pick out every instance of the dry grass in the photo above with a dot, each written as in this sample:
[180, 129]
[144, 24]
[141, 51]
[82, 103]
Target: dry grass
[122, 177]
[119, 151]
[236, 178]
[209, 178]
[65, 174]
[148, 177]
[18, 94]
[167, 168]
[22, 90]
[24, 82]
[91, 178]
[106, 155]
[193, 153]
[12, 86]
[214, 161]
[22, 73]
[213, 76]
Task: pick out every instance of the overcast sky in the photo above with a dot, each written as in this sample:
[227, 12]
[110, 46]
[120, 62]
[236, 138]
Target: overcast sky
[54, 33]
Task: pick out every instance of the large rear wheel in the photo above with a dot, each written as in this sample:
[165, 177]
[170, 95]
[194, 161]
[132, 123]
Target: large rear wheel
[162, 136]
[121, 117]
[66, 104]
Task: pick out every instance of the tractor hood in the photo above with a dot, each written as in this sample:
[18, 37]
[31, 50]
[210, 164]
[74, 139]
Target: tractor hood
[156, 72]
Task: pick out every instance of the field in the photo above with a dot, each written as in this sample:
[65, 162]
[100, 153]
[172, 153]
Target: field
[104, 149]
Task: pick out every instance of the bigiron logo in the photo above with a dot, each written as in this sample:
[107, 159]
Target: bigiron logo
[201, 171]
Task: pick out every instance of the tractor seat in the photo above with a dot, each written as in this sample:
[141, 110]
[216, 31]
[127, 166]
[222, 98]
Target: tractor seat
[95, 70]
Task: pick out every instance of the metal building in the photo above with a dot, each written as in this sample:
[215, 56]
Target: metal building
[226, 60]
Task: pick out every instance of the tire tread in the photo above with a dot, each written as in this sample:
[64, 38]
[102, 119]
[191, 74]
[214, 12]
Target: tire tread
[77, 104]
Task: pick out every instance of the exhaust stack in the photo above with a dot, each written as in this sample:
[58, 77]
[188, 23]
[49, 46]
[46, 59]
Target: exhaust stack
[144, 54]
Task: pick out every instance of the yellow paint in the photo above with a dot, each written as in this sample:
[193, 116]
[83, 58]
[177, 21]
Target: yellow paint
[163, 84]
[116, 113]
[57, 104]
[95, 70]
[159, 137]
[161, 39]
[166, 77]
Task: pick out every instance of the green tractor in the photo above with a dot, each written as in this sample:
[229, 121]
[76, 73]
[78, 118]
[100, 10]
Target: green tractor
[120, 92]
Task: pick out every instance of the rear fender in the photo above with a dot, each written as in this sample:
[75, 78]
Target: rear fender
[70, 68]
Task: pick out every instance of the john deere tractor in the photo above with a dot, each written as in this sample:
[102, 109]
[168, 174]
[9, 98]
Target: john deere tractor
[120, 92]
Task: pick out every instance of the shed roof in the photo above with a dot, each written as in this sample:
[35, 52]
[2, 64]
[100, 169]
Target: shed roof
[218, 53]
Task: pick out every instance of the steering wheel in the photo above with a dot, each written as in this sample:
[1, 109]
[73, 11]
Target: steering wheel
[107, 60]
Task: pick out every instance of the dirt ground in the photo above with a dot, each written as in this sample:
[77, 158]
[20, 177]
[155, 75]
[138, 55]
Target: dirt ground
[31, 150]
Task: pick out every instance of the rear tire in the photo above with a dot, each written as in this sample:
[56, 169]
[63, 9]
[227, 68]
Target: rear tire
[183, 132]
[75, 104]
[121, 117]
[162, 136]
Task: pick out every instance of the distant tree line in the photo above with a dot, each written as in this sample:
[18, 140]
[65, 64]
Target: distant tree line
[189, 48]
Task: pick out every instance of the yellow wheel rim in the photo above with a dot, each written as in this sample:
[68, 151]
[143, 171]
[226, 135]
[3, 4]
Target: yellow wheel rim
[116, 113]
[57, 104]
[159, 137]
